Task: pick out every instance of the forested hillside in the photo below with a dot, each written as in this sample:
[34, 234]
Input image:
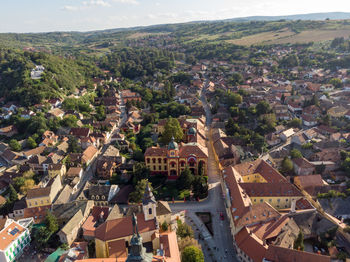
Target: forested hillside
[61, 76]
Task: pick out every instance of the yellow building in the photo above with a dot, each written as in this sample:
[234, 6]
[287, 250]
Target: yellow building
[171, 161]
[44, 196]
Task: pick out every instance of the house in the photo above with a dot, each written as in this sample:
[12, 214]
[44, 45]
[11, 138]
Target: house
[80, 132]
[49, 138]
[56, 170]
[65, 211]
[309, 121]
[299, 139]
[100, 194]
[74, 172]
[89, 155]
[287, 134]
[303, 167]
[8, 131]
[70, 231]
[44, 196]
[295, 107]
[14, 238]
[308, 182]
[27, 114]
[56, 112]
[337, 111]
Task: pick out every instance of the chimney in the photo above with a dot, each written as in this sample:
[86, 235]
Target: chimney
[292, 208]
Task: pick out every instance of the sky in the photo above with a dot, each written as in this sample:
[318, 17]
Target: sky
[86, 15]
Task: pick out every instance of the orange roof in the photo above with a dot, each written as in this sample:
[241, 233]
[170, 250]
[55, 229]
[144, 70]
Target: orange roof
[122, 227]
[251, 245]
[261, 167]
[38, 213]
[117, 249]
[89, 153]
[9, 234]
[156, 151]
[170, 246]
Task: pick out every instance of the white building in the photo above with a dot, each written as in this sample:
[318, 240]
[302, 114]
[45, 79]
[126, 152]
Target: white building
[13, 239]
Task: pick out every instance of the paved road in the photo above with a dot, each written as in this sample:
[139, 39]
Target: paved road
[214, 204]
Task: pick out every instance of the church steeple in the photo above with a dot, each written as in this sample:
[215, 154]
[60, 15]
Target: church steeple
[137, 251]
[149, 204]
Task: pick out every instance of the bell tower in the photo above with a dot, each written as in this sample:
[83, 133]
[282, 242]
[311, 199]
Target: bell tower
[149, 204]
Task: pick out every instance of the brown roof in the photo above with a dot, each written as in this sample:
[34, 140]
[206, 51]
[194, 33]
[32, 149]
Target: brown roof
[277, 254]
[122, 227]
[74, 171]
[38, 192]
[117, 248]
[89, 153]
[307, 181]
[35, 151]
[80, 131]
[302, 163]
[193, 149]
[270, 189]
[261, 167]
[156, 151]
[170, 246]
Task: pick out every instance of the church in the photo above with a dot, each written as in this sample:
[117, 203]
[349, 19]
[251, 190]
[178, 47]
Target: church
[116, 237]
[173, 159]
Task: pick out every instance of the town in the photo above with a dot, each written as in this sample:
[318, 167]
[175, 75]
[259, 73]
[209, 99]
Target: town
[237, 156]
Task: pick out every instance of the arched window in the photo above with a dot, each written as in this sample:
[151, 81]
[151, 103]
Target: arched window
[150, 211]
[97, 197]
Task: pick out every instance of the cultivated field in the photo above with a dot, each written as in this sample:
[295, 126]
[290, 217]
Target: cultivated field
[286, 36]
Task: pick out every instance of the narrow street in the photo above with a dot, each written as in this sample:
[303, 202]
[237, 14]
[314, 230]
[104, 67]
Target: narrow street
[222, 239]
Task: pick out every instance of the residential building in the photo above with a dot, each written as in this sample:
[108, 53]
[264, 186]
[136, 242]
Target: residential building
[14, 238]
[44, 196]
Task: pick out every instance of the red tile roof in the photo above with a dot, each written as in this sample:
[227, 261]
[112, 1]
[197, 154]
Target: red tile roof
[122, 227]
[278, 254]
[270, 189]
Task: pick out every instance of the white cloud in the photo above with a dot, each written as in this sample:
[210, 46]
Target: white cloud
[96, 3]
[132, 2]
[70, 8]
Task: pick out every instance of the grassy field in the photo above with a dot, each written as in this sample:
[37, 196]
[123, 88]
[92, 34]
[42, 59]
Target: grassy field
[262, 37]
[285, 36]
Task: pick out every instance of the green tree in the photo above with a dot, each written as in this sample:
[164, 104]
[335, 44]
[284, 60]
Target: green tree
[51, 223]
[14, 145]
[336, 82]
[101, 113]
[299, 242]
[184, 230]
[200, 187]
[73, 146]
[185, 180]
[192, 254]
[295, 122]
[236, 79]
[263, 107]
[13, 194]
[137, 194]
[295, 153]
[346, 165]
[287, 165]
[165, 226]
[31, 142]
[172, 129]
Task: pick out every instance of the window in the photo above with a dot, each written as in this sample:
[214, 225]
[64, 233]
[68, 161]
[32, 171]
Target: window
[36, 203]
[172, 153]
[92, 197]
[164, 160]
[148, 160]
[42, 202]
[97, 197]
[278, 200]
[159, 160]
[154, 160]
[150, 211]
[165, 167]
[255, 200]
[103, 197]
[261, 200]
[47, 201]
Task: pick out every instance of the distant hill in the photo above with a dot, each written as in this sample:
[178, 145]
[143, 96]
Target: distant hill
[312, 16]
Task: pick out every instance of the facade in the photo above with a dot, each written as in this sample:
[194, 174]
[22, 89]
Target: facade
[14, 238]
[171, 161]
[44, 196]
[57, 170]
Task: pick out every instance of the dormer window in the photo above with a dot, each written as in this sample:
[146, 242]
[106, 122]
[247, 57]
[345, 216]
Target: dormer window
[92, 197]
[103, 197]
[97, 197]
